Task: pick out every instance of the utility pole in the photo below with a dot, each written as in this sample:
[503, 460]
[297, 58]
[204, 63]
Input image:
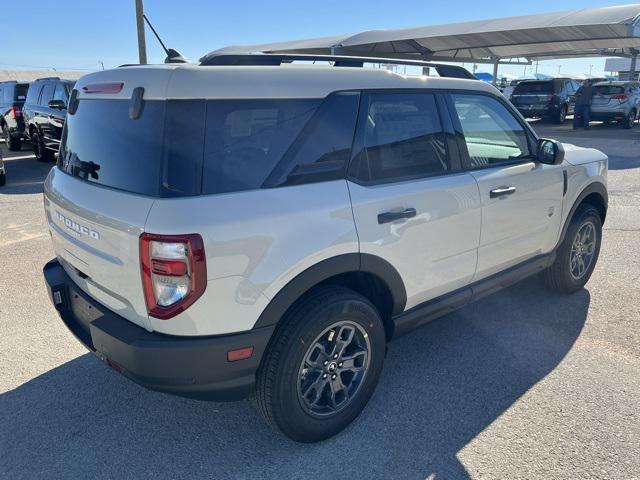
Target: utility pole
[559, 67]
[142, 46]
[101, 63]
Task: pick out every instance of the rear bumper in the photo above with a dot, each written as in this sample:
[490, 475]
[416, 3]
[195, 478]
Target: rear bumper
[194, 367]
[607, 115]
[537, 111]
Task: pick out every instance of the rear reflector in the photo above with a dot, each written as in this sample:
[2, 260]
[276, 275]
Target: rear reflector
[103, 88]
[240, 354]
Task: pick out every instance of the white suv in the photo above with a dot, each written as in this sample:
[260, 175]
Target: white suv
[229, 230]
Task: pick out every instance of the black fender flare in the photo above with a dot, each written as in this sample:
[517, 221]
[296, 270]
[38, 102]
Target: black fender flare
[594, 187]
[312, 276]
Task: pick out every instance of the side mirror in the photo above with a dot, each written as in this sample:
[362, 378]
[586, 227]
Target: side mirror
[550, 152]
[57, 104]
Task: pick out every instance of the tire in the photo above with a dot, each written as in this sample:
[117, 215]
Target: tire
[3, 179]
[42, 153]
[565, 274]
[300, 358]
[629, 121]
[13, 144]
[561, 116]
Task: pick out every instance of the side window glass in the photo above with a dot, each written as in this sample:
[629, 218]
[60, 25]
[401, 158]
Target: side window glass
[47, 94]
[492, 133]
[402, 138]
[60, 93]
[323, 149]
[245, 140]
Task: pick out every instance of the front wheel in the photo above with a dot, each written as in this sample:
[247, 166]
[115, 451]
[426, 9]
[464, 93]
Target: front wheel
[578, 253]
[42, 153]
[322, 366]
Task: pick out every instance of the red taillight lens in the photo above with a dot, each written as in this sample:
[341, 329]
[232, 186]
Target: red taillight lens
[174, 272]
[621, 98]
[16, 112]
[103, 87]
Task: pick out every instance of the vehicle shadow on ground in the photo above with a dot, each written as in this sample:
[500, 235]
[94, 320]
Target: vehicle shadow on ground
[25, 175]
[441, 387]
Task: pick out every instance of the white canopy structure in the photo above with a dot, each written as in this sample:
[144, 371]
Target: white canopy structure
[589, 32]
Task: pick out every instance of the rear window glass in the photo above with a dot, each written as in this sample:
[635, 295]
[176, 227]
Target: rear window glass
[189, 147]
[103, 145]
[20, 94]
[245, 139]
[534, 87]
[609, 89]
[15, 93]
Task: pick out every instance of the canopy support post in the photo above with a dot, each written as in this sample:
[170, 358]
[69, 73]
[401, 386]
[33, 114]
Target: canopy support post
[632, 69]
[496, 62]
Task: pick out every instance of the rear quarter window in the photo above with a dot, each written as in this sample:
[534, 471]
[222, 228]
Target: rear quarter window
[245, 140]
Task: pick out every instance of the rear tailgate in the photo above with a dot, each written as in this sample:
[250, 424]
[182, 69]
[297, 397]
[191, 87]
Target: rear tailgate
[95, 233]
[108, 176]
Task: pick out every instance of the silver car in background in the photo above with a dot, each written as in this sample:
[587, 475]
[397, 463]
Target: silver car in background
[617, 101]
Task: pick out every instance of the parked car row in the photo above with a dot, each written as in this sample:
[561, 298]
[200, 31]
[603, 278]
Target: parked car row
[34, 112]
[613, 101]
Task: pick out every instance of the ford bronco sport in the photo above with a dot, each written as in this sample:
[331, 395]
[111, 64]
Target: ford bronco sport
[232, 229]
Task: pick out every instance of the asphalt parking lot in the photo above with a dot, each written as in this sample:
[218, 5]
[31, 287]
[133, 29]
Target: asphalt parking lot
[524, 384]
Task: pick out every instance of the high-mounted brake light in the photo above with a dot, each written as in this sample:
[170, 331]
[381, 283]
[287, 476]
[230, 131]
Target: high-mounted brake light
[115, 87]
[174, 272]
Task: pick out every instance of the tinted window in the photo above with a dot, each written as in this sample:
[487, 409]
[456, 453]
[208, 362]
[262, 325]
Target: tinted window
[245, 140]
[34, 93]
[6, 94]
[102, 145]
[323, 149]
[609, 89]
[534, 87]
[47, 94]
[492, 133]
[60, 93]
[402, 137]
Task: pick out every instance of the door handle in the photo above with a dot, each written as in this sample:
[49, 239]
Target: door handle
[501, 191]
[388, 217]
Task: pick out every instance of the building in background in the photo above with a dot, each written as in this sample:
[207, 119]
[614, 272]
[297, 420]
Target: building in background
[619, 66]
[30, 75]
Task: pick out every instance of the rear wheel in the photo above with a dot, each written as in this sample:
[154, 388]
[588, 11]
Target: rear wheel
[42, 153]
[322, 366]
[561, 116]
[13, 143]
[578, 253]
[629, 121]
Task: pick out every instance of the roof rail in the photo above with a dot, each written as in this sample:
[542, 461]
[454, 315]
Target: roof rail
[46, 78]
[275, 59]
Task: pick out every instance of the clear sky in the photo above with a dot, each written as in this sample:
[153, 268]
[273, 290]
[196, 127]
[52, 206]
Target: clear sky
[74, 34]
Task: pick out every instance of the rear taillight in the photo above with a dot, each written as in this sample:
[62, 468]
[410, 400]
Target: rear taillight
[174, 272]
[621, 98]
[16, 112]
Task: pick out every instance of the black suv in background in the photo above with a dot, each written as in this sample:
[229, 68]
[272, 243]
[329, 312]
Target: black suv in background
[12, 97]
[554, 98]
[44, 114]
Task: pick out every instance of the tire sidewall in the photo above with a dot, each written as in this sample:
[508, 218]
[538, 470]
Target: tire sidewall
[301, 425]
[588, 214]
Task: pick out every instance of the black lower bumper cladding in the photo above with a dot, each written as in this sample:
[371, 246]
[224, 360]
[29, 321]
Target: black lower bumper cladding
[195, 367]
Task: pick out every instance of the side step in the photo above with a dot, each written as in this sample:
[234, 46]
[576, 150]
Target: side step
[432, 309]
